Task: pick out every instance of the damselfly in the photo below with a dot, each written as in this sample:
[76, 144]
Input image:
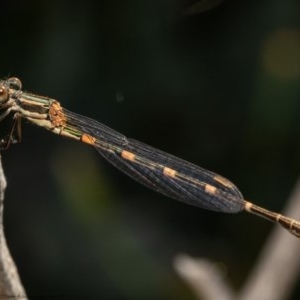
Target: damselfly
[159, 171]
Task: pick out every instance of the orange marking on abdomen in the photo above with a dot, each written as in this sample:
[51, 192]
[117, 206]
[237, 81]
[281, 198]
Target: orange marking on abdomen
[169, 172]
[210, 189]
[128, 155]
[88, 139]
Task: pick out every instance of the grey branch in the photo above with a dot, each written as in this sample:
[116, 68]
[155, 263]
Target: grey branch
[10, 283]
[204, 277]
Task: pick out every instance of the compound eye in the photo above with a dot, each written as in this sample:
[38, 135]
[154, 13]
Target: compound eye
[14, 83]
[3, 94]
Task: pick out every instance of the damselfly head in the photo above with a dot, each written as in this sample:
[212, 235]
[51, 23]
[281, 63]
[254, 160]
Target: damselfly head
[14, 83]
[3, 93]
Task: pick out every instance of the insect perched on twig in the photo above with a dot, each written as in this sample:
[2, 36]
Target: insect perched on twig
[159, 171]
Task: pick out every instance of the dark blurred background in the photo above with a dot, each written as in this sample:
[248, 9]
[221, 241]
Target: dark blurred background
[216, 83]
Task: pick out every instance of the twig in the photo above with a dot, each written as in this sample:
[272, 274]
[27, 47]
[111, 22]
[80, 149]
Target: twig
[10, 283]
[204, 278]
